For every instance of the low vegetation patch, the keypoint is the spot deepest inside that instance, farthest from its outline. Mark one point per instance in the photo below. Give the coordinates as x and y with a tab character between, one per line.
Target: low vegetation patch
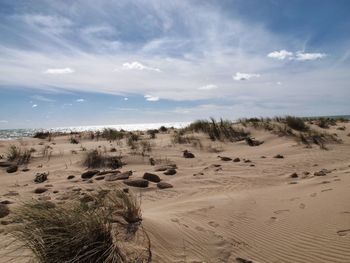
222	130
112	134
97	159
18	155
78	232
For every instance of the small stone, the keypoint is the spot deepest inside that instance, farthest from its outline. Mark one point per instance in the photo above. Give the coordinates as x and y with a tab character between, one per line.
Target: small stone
294	175
70	177
164	185
236	160
12	169
278	156
136	182
40	190
89	174
6	202
40	177
98	178
170	172
126	190
187	154
115	177
225	159
4	210
151	177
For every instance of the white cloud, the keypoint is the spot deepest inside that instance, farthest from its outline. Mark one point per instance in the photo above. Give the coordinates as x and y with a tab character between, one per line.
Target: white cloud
42	98
151	98
301	56
126	99
59	71
244	76
80	100
280	55
3	121
208	87
137	66
34	105
309	56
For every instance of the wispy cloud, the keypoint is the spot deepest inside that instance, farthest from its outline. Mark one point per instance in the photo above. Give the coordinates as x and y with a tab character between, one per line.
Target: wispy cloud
151	98
80	100
34	105
138	66
58	71
208	87
42	98
245	76
281	55
309	56
301	56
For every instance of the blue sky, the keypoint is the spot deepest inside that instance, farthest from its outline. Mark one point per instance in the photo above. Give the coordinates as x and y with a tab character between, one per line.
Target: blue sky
87	62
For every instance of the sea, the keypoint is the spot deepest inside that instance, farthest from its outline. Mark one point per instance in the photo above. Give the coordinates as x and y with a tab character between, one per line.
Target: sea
12	134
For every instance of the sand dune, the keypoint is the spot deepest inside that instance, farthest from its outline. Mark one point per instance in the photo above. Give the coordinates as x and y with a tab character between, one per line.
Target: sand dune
220	211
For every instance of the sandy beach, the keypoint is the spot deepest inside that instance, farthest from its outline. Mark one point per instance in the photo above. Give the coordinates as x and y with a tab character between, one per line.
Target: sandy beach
257	207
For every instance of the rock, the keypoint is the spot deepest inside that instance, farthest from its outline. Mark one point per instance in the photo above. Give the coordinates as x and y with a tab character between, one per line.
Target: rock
323	172
163	168
89	174
151	177
236	160
70	177
5	164
87	198
25	170
225	159
114	177
109	172
48	185
152	161
278	156
294	175
6	202
164	185
12	169
136	182
170	172
4	210
252	165
11	193
188	154
242	260
247	161
56	191
40	190
98	178
263	157
40	177
253	142
126	190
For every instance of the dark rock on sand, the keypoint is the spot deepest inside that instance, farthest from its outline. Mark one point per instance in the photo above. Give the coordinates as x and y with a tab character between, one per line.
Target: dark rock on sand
164	185
225	159
40	190
12	169
323	172
98	178
40	177
188	154
236	160
89	174
70	177
115	177
4	210
163	168
294	175
5	164
278	156
152	161
170	172
151	177
6	202
136	182
253	142
25	169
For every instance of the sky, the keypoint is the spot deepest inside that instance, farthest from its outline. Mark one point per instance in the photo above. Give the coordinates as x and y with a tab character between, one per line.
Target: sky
88	62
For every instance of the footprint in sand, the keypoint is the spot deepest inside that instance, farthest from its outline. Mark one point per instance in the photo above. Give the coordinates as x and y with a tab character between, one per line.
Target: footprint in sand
213	224
343	233
281	211
302	206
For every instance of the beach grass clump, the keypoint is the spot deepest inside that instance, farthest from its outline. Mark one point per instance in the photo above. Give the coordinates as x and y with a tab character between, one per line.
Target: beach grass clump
218	130
98	159
42	135
73	140
296	123
77	232
112	134
18	155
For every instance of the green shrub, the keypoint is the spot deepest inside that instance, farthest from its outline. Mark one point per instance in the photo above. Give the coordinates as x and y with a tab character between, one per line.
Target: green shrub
296	123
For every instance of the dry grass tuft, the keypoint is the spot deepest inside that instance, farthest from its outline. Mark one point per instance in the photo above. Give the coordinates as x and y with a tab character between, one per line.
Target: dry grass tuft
18	155
97	159
78	232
